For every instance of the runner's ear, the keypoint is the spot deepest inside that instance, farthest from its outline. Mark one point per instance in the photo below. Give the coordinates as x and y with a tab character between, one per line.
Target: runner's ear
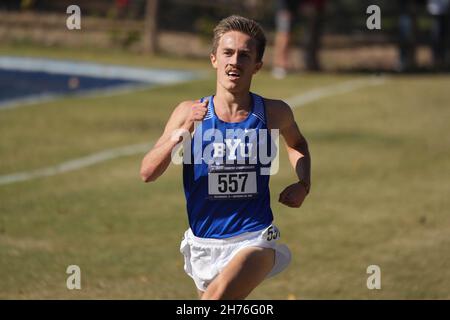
258	67
213	60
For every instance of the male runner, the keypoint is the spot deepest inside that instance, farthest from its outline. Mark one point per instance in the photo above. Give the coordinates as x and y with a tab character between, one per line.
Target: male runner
231	245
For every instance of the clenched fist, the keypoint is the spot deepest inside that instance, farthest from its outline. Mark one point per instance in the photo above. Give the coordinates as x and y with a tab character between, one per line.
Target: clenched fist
197	113
293	195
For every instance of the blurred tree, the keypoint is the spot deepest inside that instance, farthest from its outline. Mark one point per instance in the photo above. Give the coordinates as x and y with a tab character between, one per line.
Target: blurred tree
27	4
151	27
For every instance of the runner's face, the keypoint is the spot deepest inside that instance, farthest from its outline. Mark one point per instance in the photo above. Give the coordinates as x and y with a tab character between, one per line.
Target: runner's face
235	61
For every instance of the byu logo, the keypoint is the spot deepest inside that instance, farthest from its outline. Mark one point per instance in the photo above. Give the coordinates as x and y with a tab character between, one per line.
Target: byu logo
374	21
261	147
374	281
74	280
232	146
74	20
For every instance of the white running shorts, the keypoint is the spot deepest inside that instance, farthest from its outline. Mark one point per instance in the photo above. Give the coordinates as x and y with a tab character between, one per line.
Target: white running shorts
205	258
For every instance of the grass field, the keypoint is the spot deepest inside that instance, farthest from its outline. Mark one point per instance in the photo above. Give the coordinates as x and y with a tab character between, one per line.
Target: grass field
381	186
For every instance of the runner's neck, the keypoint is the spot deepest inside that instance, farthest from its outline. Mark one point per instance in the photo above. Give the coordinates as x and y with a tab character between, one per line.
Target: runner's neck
232	104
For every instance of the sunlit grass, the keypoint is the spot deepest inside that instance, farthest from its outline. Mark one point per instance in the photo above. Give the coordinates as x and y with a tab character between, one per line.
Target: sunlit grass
381	167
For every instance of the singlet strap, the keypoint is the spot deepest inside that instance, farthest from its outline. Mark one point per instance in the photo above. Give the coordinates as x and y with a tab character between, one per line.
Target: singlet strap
209	114
259	109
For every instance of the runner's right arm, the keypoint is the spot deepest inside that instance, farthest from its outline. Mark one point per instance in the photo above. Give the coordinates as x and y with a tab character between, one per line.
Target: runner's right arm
158	158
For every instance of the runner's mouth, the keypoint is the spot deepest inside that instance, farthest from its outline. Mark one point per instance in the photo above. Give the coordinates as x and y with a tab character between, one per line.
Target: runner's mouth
233	74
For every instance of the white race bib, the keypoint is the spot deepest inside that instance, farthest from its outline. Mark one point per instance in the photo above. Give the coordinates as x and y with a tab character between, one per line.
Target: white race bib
232	185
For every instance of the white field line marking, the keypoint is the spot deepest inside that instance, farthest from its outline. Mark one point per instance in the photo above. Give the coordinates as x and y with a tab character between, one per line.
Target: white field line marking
331	90
76	163
294	102
88	69
87	93
145	77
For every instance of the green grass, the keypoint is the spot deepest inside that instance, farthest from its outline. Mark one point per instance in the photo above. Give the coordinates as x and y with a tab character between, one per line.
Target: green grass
381	180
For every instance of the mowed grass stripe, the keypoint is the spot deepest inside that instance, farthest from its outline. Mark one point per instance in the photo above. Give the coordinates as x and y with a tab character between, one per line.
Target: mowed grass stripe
294	102
380	185
375	200
48	134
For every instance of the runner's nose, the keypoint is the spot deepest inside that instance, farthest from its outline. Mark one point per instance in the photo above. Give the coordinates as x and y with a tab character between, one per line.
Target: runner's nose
234	59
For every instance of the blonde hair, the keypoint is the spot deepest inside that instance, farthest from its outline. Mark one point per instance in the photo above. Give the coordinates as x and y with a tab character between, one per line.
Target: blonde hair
244	25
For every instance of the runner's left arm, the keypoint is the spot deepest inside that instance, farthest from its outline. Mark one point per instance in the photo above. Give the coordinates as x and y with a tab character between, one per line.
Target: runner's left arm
299	157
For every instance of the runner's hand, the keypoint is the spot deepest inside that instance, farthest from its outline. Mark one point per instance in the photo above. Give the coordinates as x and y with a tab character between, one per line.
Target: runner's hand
197	113
293	195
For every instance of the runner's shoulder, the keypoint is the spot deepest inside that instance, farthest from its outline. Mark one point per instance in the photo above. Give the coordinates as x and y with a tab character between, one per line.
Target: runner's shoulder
186	105
183	108
277	111
276	104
